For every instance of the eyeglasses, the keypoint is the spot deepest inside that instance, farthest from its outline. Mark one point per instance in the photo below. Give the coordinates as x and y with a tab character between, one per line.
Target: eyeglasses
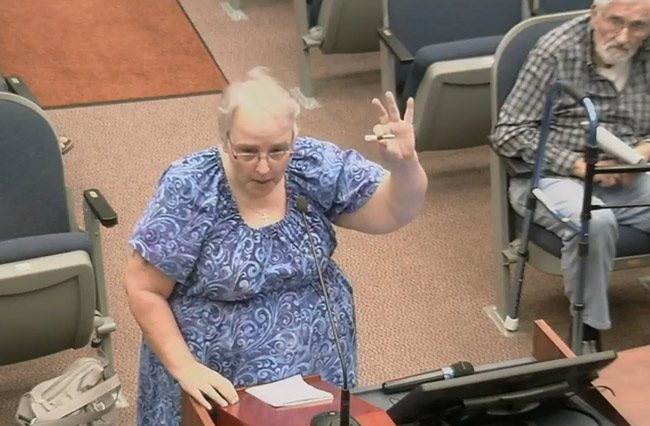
617	24
275	155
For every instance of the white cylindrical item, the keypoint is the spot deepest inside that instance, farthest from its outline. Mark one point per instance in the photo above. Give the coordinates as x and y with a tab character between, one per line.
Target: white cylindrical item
375	138
615	147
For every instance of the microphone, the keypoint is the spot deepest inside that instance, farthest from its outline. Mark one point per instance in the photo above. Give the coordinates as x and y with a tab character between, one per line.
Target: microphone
458	369
329	418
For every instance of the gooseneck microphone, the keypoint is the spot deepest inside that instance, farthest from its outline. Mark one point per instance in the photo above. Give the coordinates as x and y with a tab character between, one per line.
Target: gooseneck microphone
458	369
329	418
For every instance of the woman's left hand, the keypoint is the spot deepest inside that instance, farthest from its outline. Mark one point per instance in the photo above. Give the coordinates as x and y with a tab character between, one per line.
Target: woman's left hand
400	149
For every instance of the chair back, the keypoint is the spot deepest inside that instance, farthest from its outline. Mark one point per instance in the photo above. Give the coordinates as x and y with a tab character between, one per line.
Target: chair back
350	26
557	6
513	51
32	190
419	23
452	42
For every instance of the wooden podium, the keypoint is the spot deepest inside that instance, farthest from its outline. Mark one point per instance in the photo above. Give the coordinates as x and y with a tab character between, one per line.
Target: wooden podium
250	411
621	393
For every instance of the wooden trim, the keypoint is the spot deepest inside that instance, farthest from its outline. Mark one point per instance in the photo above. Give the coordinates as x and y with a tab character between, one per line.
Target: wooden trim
547	345
193	413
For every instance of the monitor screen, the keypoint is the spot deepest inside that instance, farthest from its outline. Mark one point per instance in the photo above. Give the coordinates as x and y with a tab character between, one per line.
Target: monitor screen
500	389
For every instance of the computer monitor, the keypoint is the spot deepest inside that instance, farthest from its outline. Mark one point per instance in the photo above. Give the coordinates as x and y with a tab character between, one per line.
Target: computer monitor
500	392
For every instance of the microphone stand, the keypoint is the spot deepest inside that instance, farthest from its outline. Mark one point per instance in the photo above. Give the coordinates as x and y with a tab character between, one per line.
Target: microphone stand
329	418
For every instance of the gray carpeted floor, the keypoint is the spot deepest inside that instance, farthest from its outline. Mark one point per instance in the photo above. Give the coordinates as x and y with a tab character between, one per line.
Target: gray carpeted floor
420	291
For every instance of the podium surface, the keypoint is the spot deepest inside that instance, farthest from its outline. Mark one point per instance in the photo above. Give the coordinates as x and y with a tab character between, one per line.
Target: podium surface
625	384
250	411
627	377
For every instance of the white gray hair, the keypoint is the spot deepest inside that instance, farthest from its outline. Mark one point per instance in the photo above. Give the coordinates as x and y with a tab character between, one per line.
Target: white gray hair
261	93
602	3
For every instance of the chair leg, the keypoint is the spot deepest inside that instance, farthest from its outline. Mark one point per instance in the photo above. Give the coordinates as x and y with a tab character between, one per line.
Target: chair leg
504	255
233	10
305	93
104	325
387	62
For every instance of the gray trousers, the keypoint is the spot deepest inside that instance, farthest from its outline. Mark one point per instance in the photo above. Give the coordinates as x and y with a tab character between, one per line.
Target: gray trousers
562	217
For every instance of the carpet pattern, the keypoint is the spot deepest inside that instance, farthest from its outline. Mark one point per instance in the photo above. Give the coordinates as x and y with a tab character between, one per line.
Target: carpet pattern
79	52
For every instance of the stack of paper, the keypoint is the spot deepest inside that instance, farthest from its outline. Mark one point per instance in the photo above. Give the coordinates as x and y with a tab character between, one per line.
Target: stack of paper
291	391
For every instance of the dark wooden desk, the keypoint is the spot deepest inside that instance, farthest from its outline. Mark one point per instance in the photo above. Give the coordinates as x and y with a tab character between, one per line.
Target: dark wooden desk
629	380
628	377
250	411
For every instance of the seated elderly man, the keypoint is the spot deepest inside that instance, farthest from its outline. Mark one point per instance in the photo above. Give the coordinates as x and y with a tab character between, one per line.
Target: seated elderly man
606	53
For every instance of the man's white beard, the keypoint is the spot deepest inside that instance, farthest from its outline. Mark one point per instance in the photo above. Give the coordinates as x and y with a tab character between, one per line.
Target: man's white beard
611	55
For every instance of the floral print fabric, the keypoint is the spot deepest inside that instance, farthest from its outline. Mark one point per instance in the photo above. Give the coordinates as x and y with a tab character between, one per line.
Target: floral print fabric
248	301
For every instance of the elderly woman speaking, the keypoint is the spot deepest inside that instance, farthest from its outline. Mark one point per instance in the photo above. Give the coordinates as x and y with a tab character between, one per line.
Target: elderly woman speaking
222	280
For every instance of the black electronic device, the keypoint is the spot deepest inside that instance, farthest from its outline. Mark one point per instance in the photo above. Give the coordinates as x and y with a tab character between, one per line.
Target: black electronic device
501	392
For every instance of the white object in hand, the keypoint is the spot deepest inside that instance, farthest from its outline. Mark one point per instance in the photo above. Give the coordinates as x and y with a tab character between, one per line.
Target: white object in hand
375	138
615	147
379	131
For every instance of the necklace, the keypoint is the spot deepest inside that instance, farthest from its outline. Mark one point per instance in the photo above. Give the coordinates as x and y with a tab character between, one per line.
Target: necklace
265	217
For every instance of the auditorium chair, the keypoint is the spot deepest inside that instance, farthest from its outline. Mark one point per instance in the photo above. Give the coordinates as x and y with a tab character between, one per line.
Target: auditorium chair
441	52
52	289
15	84
633	246
334	27
233	10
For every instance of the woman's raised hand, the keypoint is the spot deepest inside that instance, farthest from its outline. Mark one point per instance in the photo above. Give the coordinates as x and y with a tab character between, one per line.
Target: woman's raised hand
399	147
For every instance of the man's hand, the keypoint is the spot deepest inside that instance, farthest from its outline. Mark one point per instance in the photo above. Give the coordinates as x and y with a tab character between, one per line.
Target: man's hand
200	382
644	149
605	180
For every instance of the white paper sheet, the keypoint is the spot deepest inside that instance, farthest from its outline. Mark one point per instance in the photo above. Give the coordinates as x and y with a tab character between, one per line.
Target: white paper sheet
290	391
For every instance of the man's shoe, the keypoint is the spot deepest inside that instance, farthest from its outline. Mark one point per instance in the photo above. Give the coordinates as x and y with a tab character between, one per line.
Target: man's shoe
591	340
65	144
589	347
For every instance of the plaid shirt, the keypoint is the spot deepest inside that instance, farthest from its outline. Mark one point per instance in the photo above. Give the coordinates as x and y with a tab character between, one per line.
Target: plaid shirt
565	53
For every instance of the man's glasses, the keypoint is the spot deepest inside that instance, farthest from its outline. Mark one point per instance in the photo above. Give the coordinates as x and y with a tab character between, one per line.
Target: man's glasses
275	155
617	24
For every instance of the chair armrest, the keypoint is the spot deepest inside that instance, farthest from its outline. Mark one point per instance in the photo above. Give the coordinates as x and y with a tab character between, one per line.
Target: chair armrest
516	167
395	46
17	85
100	207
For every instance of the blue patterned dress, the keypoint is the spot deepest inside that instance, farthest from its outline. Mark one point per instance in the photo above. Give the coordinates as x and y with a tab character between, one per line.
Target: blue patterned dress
248	301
